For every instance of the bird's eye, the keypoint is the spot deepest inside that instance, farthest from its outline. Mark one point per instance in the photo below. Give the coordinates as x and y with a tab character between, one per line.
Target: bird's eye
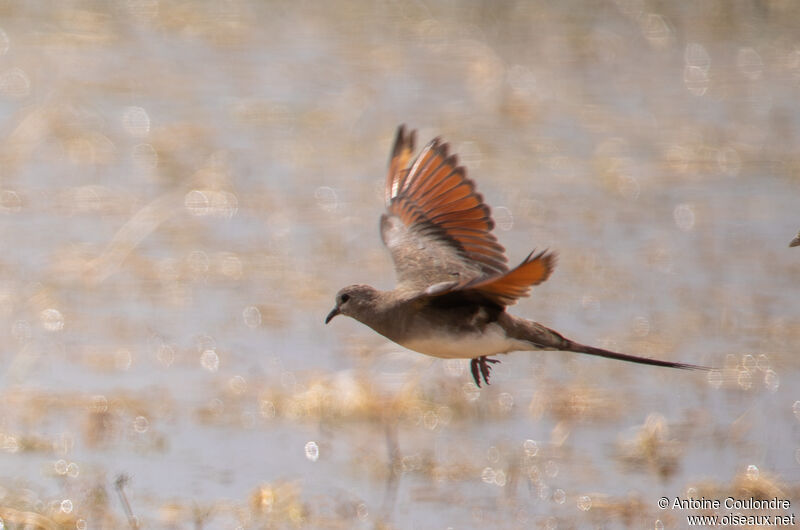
344	298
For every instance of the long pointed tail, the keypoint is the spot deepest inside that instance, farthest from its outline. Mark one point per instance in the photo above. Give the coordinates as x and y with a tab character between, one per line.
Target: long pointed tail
591	350
544	338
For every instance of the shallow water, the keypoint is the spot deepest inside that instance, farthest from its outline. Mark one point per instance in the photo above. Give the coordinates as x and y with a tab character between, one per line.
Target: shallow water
184	187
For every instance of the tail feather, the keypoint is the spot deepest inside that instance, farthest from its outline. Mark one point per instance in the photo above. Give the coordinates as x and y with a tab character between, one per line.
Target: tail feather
600	352
544	338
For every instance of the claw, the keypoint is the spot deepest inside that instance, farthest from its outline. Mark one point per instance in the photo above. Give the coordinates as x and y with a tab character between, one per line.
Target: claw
473	365
485	369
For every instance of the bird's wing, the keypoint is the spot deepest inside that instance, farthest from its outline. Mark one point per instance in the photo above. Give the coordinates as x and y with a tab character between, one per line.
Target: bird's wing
437	227
505	289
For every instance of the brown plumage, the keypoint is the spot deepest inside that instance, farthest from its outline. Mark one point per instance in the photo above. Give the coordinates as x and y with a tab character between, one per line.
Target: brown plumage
453	284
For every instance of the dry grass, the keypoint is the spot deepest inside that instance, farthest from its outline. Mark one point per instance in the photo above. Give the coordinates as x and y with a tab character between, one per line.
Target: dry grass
183	187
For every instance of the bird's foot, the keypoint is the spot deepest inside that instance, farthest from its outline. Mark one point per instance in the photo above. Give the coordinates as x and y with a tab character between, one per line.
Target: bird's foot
480	363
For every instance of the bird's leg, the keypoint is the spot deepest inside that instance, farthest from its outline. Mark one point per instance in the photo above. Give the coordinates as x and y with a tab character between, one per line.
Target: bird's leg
485	369
473	365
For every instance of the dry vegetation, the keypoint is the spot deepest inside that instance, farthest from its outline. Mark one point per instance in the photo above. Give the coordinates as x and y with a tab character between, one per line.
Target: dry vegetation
184	185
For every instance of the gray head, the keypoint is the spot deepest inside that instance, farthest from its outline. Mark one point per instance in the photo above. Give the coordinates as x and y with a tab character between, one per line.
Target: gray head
354	301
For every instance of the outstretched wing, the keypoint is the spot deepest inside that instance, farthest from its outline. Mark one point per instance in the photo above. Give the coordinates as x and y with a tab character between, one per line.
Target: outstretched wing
437	227
505	289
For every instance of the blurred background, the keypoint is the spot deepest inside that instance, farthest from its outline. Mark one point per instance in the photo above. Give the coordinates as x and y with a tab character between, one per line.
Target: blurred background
185	185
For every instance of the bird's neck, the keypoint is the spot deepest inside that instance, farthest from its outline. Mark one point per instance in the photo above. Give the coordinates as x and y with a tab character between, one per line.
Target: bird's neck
383	315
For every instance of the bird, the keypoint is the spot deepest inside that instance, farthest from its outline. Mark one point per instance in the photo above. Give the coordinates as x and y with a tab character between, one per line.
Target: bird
453	282
796	241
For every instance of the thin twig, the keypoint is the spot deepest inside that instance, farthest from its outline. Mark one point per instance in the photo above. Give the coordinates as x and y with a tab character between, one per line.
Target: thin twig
119	484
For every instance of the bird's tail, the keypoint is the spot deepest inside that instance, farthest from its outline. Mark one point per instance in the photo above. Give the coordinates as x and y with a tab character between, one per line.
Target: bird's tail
544	338
591	350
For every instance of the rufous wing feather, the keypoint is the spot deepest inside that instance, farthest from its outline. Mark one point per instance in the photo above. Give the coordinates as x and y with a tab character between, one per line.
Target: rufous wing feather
399	160
434	198
507	288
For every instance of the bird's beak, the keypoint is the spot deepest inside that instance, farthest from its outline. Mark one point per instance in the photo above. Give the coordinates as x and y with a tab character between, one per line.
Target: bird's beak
335	311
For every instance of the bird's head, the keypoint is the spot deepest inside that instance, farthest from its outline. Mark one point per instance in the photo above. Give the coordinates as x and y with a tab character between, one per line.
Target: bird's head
355	301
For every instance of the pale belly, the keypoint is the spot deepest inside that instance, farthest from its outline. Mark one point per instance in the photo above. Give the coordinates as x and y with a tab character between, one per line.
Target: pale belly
461	346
